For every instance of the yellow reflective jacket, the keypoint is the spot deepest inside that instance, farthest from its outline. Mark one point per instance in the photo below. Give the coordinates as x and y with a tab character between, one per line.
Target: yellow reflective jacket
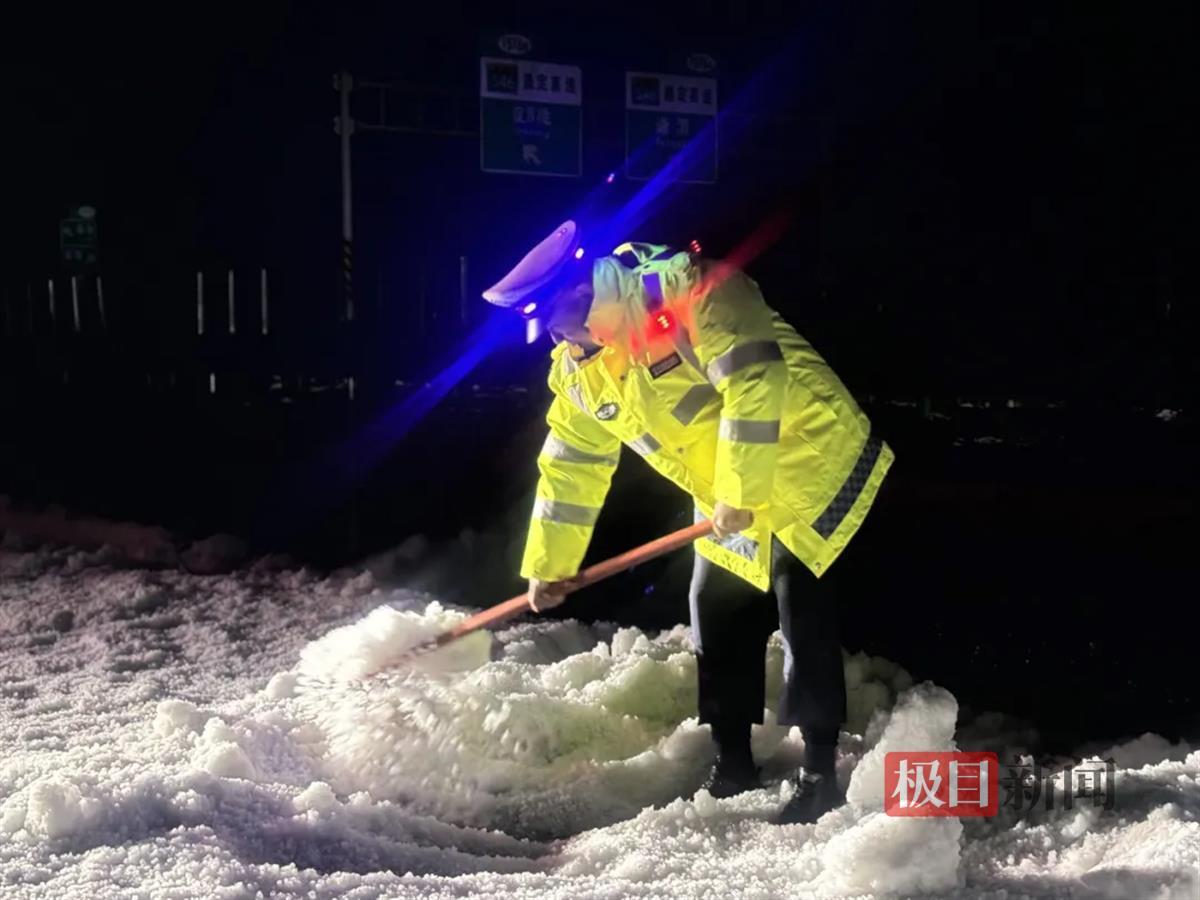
717	393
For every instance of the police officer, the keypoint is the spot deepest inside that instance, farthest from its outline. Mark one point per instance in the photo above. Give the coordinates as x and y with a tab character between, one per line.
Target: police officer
679	358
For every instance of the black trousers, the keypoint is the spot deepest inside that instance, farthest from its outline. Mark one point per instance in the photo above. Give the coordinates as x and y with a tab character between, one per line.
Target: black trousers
731	623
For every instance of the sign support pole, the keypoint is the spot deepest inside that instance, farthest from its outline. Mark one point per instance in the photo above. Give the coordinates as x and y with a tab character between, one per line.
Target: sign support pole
345	128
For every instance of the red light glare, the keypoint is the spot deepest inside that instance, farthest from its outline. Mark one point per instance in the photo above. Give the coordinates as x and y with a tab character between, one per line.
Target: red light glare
662	323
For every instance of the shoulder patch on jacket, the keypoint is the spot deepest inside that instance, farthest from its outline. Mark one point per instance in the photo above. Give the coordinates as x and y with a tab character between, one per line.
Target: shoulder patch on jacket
664	365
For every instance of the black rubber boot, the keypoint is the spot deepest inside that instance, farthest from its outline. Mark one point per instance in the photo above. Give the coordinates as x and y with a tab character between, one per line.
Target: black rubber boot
820	751
818	791
731	778
815	796
734	771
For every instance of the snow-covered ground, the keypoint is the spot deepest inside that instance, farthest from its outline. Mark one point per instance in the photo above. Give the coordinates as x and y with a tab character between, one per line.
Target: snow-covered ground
171	735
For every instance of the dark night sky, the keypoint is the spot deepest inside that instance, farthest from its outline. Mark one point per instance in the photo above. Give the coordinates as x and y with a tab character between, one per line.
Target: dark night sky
987	201
1009	178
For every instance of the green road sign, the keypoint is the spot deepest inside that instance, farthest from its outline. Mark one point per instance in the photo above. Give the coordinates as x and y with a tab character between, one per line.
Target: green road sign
529	117
77	237
664	114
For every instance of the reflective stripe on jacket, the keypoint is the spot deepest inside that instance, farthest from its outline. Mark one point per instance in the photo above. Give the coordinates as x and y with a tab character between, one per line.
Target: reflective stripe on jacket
718	394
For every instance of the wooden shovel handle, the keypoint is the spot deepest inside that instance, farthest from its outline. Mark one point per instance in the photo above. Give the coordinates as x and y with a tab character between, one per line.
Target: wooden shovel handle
601	570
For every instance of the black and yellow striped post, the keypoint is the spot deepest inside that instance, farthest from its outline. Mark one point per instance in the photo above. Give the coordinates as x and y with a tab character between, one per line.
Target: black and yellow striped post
348	278
344	126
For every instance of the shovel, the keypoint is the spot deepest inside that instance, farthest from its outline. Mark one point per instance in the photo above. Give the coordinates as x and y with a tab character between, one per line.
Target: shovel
601	570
